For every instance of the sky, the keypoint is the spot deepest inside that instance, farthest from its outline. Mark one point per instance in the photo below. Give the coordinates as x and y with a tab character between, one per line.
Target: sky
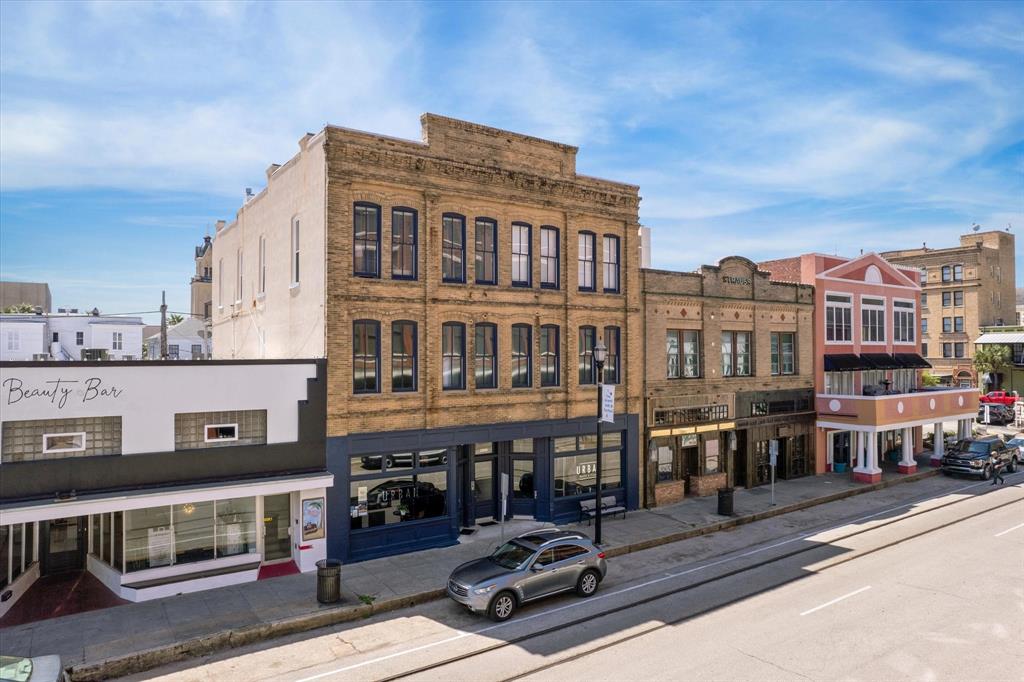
759	129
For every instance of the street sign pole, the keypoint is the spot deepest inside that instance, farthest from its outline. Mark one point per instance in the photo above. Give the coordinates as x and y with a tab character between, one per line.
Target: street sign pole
773	453
504	504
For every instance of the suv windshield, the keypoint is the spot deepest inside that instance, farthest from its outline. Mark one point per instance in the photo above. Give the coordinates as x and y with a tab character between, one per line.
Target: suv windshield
511	555
978	447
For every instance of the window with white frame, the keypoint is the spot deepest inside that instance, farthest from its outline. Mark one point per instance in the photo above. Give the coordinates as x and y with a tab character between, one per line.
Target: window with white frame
872	377
924	276
13	340
838	318
839	383
585	280
736	354
872	317
522	249
904	380
610	263
683	352
117	341
63	442
783	347
295	251
903	325
263	265
219	433
238	276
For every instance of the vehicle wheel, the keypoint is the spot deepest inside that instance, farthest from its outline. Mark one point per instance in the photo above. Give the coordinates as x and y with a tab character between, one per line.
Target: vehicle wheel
502	607
587	584
986	473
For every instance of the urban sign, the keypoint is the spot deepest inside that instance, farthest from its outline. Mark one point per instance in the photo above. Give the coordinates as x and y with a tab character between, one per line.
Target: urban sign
58	391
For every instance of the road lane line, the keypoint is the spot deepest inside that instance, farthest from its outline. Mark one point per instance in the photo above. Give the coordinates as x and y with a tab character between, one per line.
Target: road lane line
461	634
837	600
1008	530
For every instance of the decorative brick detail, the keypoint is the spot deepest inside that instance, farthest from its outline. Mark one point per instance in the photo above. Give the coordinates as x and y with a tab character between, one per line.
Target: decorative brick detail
703	486
669	492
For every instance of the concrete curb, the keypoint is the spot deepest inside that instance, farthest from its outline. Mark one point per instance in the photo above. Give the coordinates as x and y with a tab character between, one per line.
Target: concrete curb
147	659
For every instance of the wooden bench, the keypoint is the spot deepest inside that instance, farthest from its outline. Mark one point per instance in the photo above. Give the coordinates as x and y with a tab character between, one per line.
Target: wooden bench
609	507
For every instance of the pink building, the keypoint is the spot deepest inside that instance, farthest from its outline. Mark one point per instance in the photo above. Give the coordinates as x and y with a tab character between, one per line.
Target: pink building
867	346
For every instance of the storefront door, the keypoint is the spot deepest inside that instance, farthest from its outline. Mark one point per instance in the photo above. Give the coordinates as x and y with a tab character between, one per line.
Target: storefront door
488	471
277	539
62	544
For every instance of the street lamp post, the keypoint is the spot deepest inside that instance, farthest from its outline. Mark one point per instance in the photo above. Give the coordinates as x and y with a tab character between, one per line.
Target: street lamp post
600	354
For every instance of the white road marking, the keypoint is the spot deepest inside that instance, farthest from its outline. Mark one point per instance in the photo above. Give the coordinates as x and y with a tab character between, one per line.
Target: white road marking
605	595
836	600
1008	530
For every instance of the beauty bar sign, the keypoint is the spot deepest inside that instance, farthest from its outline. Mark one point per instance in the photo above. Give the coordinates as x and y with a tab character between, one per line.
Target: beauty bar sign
59	392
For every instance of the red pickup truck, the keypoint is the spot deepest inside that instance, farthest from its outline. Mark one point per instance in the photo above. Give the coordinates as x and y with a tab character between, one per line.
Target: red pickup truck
1001	397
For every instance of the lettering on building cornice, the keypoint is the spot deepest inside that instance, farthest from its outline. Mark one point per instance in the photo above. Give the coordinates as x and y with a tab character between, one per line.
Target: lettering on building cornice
729	279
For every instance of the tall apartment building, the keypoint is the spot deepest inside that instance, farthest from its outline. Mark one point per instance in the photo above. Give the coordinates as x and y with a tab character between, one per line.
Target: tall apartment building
729	369
201	284
457	287
963	288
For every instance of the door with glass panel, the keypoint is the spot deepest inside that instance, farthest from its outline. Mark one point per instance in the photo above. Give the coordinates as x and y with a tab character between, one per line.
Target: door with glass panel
277	539
485	482
63	544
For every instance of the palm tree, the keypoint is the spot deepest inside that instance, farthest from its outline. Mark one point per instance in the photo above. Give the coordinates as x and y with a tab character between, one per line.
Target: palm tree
991	360
175	319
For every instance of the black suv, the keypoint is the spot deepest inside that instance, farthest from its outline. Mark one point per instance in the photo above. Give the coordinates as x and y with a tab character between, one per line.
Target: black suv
973	456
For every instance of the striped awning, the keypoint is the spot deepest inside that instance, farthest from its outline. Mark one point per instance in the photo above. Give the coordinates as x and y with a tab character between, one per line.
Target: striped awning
1001	337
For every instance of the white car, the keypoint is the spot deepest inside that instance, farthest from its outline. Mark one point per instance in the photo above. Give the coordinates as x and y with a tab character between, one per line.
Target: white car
36	669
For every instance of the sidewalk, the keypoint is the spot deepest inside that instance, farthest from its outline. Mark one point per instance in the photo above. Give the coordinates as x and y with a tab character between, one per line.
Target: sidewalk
139	636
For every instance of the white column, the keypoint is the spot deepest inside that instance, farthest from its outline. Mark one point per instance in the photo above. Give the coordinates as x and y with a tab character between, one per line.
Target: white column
939	441
908	448
873	452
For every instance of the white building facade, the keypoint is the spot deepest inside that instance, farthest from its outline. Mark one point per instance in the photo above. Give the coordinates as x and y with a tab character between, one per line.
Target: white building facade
160	477
64	336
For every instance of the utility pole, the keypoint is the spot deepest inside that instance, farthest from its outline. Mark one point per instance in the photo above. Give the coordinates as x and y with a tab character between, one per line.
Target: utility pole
163	325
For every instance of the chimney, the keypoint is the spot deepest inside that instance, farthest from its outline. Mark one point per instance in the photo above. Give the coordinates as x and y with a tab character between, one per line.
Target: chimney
271	169
304	141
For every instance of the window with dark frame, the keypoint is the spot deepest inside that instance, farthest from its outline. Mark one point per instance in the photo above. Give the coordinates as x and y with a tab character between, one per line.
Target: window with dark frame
587	244
486	253
611	363
947	350
947	273
366	240
522	374
958	273
947	299
522	252
947	324
403	356
549	257
959	350
80	338
610	262
403	243
485	355
453	356
588	338
958	323
958	299
453	248
673	355
549	370
365	356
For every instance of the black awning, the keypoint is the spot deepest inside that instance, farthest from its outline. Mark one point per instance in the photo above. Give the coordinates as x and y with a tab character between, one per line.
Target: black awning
912	361
844	362
880	361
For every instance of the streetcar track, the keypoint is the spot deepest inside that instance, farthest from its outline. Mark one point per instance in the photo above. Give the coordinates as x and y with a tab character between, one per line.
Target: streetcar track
724	576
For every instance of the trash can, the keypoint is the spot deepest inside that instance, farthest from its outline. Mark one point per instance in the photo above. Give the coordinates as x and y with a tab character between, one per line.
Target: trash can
725	501
328	581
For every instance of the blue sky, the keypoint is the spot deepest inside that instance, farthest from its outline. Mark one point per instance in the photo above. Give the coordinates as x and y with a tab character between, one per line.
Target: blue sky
127	129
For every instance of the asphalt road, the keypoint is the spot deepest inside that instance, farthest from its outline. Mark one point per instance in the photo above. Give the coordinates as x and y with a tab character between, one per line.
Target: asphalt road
927	590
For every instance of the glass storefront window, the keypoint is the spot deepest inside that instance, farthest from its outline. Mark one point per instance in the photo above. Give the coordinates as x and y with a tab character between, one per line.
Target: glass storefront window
367	464
523	445
236	526
577	474
387	501
483	449
711	456
5	550
193	532
118	518
105	537
565	444
522	479
671	463
149	542
17	549
97	536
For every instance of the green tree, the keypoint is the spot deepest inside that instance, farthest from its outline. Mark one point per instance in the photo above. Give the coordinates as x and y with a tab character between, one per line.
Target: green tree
991	359
929	379
175	319
20	308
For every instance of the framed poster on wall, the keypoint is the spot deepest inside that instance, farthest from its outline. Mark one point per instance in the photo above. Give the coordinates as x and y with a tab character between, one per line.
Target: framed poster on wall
313	519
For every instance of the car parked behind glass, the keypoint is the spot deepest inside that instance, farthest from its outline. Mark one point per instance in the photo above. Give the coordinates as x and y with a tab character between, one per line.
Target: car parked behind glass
531	566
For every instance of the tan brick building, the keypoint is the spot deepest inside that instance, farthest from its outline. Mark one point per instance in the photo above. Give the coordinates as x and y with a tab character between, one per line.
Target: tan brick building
457	287
963	288
729	369
201	284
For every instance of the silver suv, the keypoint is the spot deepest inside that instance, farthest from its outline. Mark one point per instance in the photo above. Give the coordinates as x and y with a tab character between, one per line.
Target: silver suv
531	566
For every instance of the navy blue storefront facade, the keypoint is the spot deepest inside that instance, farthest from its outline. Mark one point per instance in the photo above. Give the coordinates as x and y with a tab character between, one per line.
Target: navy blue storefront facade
402	491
